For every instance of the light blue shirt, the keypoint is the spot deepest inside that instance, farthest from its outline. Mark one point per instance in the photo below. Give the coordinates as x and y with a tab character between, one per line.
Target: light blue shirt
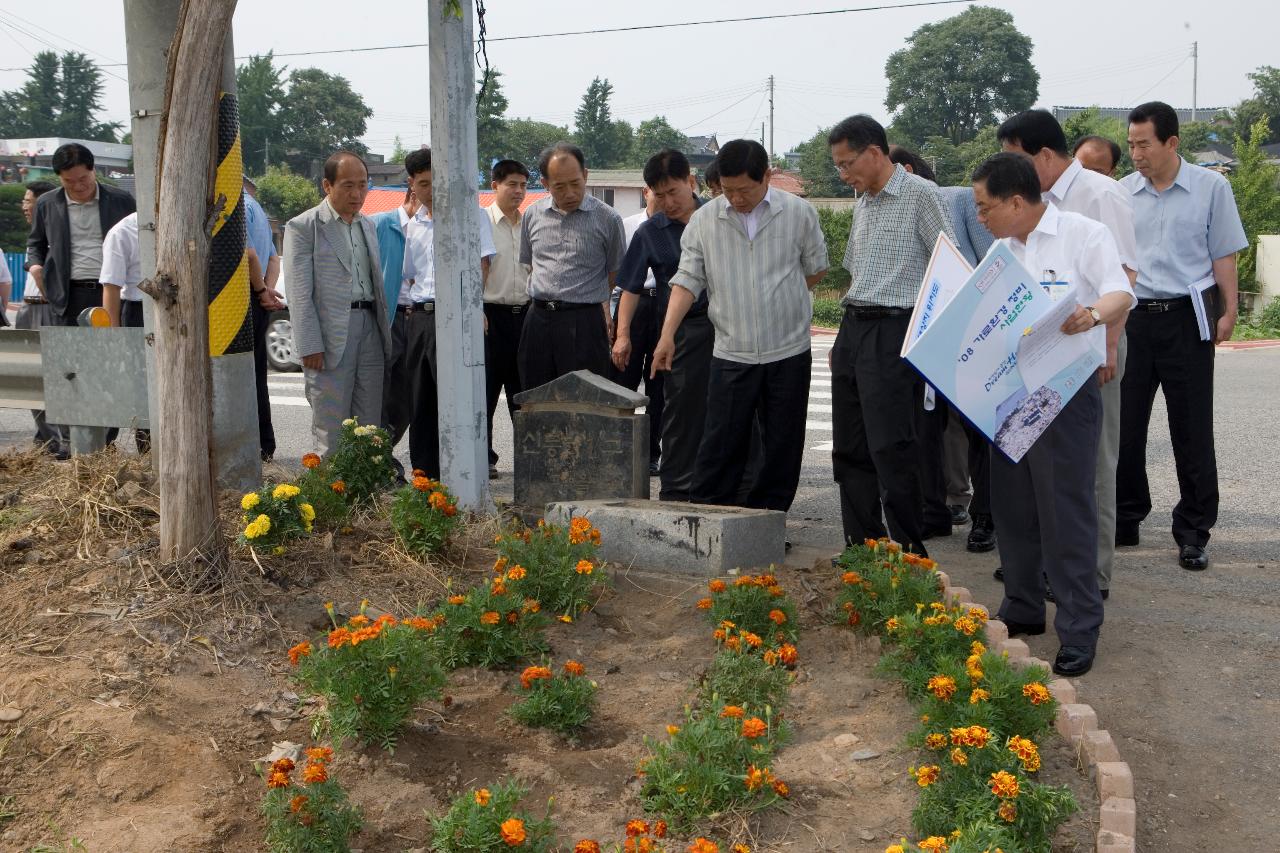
397	264
259	231
1182	230
972	237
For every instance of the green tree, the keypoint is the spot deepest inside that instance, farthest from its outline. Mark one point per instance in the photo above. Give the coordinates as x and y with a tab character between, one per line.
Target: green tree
40	98
320	114
602	139
960	74
1090	123
1256	185
652	136
491	122
1265	103
836	225
260	91
284	195
818	171
527	138
81	86
398	152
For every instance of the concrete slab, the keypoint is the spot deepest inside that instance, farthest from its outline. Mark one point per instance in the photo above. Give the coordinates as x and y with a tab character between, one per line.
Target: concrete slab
681	537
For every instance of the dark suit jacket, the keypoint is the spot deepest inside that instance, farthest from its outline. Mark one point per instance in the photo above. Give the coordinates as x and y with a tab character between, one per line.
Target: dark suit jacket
49	244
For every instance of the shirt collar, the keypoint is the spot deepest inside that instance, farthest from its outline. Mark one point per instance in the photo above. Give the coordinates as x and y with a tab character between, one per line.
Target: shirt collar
893	186
588	203
496	215
1048	223
404	217
1062	186
1182	179
767	201
97	189
421	215
661	220
332	214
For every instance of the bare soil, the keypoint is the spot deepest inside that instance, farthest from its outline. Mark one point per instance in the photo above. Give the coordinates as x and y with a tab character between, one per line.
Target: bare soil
143	704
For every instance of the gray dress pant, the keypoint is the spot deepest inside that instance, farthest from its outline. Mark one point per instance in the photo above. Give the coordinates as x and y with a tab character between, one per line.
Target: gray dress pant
352	388
1108	457
1047	515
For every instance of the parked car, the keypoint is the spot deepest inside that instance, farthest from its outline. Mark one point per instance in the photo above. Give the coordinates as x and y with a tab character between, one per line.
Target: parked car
280	332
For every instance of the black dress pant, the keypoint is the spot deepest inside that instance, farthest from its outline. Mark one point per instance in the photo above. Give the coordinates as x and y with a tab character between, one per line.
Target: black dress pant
556	342
1165	351
777	393
501	359
931	425
646	328
684	391
424	422
398	384
979	469
876	454
261	323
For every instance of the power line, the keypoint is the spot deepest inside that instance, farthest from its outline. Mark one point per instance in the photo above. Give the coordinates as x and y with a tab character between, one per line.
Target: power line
60	36
718	112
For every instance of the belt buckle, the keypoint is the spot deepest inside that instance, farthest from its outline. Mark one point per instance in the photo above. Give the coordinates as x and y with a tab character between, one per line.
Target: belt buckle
552	305
1162	306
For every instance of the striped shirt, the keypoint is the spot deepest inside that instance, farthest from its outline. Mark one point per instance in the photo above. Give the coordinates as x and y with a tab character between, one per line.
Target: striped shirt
892	239
758	301
571	255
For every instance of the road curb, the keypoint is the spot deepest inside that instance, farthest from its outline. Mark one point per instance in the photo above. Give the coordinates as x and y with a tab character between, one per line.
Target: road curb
1078	723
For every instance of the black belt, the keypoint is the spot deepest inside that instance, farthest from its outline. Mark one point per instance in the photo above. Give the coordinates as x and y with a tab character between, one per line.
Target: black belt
648	291
404	309
363	305
85	282
504	308
558	305
875	312
428	307
1160	306
35	300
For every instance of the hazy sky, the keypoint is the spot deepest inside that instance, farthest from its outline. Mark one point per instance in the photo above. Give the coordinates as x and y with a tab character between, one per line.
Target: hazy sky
702	78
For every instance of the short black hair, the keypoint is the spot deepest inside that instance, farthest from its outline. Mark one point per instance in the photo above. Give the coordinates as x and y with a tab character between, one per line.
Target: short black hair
71	155
39	188
919	165
711	174
743	157
667	163
1111	145
335	160
859	133
557	150
1162	116
416	162
1033	131
504	169
1008	174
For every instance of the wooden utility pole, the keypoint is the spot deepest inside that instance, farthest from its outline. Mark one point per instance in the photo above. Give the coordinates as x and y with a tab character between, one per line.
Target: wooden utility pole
180	287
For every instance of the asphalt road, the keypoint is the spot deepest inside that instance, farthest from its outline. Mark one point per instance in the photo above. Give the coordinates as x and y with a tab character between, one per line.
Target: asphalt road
1186	674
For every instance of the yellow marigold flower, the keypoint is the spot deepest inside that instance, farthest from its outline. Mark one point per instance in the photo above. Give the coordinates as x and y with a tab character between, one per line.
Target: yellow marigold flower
672	731
942	686
513	832
753	728
978	695
935	741
934	844
566	618
770	657
927	775
740	847
892	624
976	648
958	757
1008	811
279	549
895	848
482	797
1036	692
490	617
308	512
516	573
704	604
967	625
285	491
584	567
1004	784
299	651
249	501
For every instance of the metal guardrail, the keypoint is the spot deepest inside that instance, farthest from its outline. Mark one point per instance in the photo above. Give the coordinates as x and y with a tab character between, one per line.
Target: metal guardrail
21	373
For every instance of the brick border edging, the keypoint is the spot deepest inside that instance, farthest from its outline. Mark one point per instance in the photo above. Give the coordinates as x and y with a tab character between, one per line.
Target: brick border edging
1078	723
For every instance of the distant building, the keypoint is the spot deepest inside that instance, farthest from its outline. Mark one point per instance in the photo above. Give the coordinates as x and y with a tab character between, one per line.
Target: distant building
1122	113
30	158
621	189
382	199
701	150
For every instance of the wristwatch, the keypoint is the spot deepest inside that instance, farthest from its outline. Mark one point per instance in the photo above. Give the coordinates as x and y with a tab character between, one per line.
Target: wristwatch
1093	312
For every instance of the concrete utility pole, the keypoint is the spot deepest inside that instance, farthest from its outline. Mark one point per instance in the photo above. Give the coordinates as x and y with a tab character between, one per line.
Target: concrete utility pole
1195	75
464	462
182	418
770	118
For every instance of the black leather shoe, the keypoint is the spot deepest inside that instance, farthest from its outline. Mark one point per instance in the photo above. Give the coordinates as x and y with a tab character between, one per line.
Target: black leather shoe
653	467
982	536
1126	537
959	515
1029	629
998	574
1106	593
1073	661
1194	558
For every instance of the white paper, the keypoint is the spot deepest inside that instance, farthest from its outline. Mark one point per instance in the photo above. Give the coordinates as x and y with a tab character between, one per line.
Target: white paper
946	274
1045	348
1197	302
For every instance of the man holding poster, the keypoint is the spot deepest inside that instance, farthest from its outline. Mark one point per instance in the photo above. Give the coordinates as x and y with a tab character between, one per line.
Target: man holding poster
1044	503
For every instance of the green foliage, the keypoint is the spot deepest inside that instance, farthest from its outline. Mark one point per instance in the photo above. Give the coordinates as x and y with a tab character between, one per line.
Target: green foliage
489	626
653	135
1256	186
928	639
561	702
527	138
371	673
880	582
491	126
836	225
606	143
553	565
1090	123
13	225
320	114
1265	326
484	821
1013	700
259	93
960	74
827	312
317	489
284	195
744	679
273	516
755	604
1264	105
423	515
818	171
954	164
362	462
308	817
61	97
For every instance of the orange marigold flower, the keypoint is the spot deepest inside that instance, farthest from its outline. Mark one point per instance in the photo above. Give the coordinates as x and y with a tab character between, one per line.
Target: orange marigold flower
457	599
745	580
704	845
893	548
718	634
704	604
934	844
770	657
672	731
717	585
500	564
310	460
733	643
959	757
513	832
739	848
298	803
482	797
777	617
927	775
299	651
660	829
776	591
516	573
422	623
586	845
278	780
358	621
339	637
1008	811
572	667
1036	692
282	765
531	605
315	773
935	741
753	728
1004	784
732	711
788	655
752	640
422	484
320	754
978	695
532	674
636	827
512	617
385	620
584	567
781	788
438	500
338	487
499	588
942	686
490	617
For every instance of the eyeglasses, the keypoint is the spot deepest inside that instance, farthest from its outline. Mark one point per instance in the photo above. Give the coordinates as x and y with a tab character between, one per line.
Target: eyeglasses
843	168
984	210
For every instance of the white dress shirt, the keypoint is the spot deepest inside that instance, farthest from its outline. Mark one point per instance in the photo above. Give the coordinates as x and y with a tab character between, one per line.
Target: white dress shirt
406	267
751	221
121	259
1101	199
419	234
630	226
1076	251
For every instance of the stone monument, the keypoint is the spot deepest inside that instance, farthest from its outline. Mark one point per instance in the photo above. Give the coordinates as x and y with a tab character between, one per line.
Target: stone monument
579	438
